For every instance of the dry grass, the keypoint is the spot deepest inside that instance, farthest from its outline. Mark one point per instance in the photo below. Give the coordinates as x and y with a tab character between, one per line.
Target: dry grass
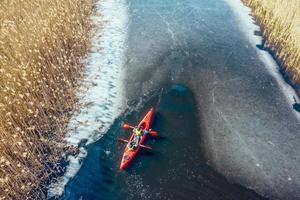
41	43
281	22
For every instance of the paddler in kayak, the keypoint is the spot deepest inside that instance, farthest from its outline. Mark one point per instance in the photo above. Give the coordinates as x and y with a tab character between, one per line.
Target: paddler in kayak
138	133
132	145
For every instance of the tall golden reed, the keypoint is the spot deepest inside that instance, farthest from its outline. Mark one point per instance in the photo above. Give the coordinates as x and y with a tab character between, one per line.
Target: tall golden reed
41	44
280	20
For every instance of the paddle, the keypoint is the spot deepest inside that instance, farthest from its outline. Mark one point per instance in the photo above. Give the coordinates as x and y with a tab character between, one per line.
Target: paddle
153	133
127	126
145	147
141	145
122	140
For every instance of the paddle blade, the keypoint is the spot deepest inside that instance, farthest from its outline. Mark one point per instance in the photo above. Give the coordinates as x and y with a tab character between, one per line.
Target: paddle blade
153	133
126	126
145	147
122	140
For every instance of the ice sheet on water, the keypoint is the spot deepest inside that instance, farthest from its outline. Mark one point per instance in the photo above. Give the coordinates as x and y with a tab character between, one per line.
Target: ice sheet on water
248	27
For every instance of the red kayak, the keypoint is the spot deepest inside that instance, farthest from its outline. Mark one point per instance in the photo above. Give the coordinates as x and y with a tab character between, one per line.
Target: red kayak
131	151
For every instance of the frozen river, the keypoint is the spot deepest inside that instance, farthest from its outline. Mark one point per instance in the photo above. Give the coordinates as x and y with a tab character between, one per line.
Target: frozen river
224	113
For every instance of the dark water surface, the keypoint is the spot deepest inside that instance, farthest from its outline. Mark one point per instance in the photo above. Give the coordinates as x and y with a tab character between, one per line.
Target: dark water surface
175	169
217	106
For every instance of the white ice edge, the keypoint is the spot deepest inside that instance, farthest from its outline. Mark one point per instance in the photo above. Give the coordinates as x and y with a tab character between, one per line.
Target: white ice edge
248	26
101	90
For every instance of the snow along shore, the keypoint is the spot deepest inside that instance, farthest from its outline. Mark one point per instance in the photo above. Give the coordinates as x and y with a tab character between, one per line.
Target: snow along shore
101	89
248	27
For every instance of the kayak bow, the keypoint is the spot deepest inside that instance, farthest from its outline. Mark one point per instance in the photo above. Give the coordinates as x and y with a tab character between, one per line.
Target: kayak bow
130	153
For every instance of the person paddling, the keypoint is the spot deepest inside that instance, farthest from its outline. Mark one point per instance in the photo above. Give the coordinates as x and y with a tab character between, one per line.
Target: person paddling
137	131
137	134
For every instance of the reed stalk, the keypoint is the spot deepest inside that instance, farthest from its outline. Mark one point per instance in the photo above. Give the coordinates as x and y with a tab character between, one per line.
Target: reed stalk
41	45
280	20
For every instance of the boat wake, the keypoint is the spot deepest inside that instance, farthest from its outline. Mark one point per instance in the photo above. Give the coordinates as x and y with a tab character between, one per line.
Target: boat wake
101	92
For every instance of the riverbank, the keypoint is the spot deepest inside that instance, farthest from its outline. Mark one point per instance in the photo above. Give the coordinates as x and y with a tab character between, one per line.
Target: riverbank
41	47
101	87
280	22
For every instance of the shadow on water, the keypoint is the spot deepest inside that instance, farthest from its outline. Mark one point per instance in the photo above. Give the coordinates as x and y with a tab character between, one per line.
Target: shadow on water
176	169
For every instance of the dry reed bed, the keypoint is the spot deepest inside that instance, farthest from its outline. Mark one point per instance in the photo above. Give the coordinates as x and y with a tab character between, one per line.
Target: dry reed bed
280	20
41	43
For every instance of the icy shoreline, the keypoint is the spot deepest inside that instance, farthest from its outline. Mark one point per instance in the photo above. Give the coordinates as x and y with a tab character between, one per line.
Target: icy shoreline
101	89
248	27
